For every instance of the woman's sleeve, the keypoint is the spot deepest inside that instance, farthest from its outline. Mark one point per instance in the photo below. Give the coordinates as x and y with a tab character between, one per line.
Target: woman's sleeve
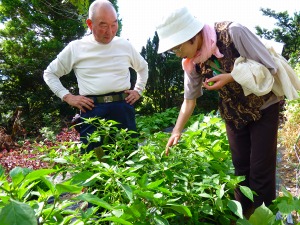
249	46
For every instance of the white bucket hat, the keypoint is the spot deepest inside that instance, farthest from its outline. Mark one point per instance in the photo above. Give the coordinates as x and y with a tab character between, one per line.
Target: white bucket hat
177	28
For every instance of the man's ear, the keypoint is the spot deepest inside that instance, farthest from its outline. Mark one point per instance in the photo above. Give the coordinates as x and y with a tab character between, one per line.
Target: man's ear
89	23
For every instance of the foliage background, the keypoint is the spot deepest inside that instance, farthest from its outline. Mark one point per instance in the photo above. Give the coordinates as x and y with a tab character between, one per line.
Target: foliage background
36	31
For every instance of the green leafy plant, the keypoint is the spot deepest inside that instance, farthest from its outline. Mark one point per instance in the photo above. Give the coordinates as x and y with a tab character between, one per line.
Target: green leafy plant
136	184
147	125
24	202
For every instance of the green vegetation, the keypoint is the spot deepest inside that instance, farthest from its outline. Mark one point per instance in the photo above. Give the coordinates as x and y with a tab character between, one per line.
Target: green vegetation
286	32
289	134
193	185
30	40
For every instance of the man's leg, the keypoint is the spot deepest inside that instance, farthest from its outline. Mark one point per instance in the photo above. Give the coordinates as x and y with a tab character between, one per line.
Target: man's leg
123	113
100	111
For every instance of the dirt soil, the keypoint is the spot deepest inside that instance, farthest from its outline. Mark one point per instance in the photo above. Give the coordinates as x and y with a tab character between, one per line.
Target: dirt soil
288	172
288	169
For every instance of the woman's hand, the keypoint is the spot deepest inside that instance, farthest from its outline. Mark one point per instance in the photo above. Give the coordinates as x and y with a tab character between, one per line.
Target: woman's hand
217	82
173	140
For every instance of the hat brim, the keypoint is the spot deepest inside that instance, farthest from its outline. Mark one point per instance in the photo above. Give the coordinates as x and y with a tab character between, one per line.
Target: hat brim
179	37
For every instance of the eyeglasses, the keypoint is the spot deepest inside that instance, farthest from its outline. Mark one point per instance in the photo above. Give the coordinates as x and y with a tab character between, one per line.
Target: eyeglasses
176	49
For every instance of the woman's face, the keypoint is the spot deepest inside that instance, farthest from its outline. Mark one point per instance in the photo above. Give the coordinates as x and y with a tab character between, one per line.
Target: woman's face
189	48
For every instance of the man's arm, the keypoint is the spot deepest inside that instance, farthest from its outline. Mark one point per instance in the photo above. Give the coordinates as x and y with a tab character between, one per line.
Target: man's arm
62	65
142	77
139	64
59	67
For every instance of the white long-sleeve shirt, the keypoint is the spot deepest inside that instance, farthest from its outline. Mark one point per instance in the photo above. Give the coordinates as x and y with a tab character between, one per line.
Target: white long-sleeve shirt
99	68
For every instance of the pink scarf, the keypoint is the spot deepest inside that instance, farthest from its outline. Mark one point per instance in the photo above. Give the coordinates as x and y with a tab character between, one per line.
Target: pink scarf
208	49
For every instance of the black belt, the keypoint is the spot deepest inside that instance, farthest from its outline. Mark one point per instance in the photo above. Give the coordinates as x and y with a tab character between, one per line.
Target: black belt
111	97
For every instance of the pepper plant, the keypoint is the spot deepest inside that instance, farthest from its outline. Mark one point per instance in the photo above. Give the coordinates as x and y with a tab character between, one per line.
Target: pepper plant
136	183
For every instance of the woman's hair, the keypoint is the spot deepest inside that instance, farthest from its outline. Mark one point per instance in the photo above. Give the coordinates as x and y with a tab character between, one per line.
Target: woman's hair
193	38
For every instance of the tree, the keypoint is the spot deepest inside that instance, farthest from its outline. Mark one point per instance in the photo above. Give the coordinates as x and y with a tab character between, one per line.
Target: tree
81	5
83	8
35	31
165	83
287	32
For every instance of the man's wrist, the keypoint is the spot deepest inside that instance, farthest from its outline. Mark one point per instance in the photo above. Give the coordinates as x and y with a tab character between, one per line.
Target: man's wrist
139	90
64	98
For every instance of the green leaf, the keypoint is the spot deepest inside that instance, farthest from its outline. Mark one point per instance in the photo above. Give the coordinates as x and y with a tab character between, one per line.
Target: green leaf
194	126
143	182
134	211
18	174
62	188
136	167
164	190
219	204
205	195
130	162
92	179
35	174
181	209
285	207
297	204
207	209
223	219
235	207
49	184
158	195
2	171
95	200
172	201
286	193
17	213
143	158
60	160
247	192
81	178
128	191
116	220
155	184
5	199
139	209
262	215
243	222
160	220
145	194
220	192
25	189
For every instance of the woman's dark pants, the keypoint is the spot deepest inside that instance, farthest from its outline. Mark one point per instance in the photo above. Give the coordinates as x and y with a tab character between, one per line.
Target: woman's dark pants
254	150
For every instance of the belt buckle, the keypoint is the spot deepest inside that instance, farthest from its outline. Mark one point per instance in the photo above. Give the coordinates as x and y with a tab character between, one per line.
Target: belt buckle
108	98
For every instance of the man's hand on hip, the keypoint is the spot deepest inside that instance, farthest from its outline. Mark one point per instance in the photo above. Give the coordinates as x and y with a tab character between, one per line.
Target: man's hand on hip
81	102
132	97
